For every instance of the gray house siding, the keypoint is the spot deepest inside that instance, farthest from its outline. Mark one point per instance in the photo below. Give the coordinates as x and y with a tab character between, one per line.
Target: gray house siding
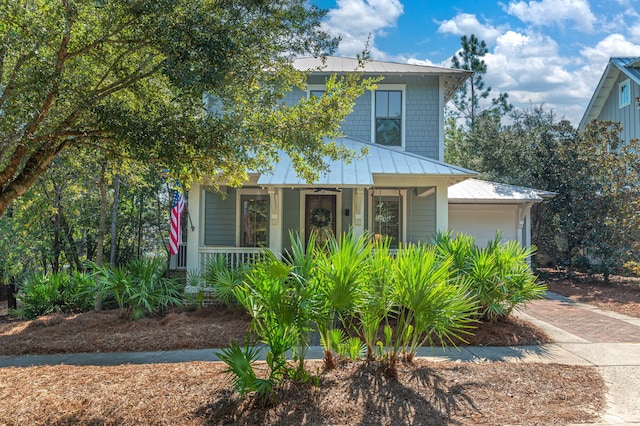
627	116
422	113
422	116
220	219
421	217
290	215
347	199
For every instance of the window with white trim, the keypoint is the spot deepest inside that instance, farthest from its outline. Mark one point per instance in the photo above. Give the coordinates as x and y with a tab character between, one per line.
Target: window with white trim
387	219
388	116
254	220
624	90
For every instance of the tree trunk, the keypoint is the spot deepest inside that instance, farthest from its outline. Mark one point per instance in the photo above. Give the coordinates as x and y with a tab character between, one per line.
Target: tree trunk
57	243
102	223
72	248
139	249
102	226
114	219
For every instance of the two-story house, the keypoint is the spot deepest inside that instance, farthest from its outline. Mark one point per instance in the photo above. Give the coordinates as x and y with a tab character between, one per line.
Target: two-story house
402	189
614	97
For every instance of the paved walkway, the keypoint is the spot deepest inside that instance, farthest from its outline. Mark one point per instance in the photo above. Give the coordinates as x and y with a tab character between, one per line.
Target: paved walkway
583	335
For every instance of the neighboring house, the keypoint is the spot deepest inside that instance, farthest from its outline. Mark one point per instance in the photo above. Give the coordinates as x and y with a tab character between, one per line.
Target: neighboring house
402	189
614	98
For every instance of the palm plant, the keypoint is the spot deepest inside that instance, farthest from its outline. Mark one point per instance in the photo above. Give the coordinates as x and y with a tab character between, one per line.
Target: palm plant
376	303
139	287
344	273
426	303
222	278
63	291
283	310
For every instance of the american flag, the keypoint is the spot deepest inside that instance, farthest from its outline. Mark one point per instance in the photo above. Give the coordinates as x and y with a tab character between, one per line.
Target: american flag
175	231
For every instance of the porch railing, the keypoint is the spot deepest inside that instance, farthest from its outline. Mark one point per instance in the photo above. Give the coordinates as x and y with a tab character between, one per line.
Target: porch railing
178	262
235	256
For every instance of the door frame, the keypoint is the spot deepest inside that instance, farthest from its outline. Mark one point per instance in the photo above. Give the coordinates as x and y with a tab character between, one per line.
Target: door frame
303	209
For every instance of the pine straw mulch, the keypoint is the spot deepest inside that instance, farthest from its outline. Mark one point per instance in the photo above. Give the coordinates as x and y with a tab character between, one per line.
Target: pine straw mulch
208	327
198	393
621	294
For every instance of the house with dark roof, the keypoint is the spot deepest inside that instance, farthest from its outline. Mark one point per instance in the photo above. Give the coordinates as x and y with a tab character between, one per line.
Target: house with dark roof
615	97
401	189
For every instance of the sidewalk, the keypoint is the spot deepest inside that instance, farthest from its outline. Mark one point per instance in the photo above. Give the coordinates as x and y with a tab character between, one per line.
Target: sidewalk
583	335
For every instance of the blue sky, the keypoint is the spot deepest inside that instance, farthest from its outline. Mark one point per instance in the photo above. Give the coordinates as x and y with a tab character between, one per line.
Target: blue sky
549	52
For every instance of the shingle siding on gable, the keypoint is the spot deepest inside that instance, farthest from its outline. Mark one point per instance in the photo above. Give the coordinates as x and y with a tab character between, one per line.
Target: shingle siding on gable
629	116
220	219
422	115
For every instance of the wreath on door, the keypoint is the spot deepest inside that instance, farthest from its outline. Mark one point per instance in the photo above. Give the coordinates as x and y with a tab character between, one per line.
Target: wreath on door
320	217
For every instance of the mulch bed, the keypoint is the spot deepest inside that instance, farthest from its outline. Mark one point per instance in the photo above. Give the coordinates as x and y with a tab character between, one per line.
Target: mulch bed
621	294
208	327
199	394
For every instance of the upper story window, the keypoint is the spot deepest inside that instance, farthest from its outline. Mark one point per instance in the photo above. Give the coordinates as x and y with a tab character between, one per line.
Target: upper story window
388	115
316	90
624	89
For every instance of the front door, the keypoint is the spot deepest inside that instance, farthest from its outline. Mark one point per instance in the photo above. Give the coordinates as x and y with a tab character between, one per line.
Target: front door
320	216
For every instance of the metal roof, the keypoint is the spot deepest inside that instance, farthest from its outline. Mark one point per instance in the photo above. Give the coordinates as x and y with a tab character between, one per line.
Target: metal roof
630	66
482	191
379	160
453	78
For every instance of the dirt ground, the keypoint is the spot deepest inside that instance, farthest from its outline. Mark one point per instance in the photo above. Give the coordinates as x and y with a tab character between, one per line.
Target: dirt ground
200	393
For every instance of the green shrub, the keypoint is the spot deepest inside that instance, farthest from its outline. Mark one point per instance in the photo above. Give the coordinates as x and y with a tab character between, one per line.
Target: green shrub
498	275
140	287
42	294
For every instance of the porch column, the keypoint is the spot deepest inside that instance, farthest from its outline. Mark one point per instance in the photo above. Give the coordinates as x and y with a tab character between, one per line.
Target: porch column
442	205
275	220
194	236
524	224
357	208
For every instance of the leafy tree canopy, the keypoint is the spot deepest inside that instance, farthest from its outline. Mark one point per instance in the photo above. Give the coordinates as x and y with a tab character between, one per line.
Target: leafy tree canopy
128	77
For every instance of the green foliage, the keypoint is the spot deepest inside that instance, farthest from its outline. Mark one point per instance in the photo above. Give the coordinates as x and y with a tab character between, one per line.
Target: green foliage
427	304
498	275
283	309
592	221
140	287
352	287
240	362
128	78
42	294
222	278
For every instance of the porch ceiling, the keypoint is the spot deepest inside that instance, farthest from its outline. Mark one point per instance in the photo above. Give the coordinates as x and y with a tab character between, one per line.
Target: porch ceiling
379	160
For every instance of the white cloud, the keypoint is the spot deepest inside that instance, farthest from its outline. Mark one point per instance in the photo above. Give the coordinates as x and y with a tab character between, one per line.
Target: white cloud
467	23
356	21
634	32
612	45
546	12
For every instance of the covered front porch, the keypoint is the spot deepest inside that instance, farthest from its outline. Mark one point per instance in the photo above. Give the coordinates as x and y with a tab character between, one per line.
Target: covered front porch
388	193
